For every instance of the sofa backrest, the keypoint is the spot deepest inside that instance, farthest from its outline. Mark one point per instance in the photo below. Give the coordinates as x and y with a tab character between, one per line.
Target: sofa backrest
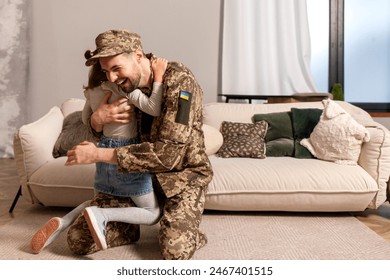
215	113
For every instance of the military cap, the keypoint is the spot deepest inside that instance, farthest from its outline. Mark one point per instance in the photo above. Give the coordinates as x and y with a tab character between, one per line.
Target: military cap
113	42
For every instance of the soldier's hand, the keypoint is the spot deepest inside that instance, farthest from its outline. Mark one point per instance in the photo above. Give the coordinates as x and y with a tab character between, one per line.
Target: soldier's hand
116	112
83	153
86	153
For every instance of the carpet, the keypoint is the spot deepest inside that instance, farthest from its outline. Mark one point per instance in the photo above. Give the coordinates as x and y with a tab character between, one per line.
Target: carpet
231	236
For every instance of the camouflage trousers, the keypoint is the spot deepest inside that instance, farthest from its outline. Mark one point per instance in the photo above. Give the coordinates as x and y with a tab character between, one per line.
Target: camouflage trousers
179	234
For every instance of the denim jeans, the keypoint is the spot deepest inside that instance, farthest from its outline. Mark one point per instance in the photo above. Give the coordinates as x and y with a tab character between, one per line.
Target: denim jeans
108	180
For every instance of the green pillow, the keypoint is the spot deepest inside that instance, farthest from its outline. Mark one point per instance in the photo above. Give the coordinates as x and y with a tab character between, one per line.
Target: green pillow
281	147
279	125
303	122
279	138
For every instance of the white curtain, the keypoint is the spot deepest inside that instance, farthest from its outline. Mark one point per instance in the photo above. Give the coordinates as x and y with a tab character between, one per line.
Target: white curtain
266	48
13	70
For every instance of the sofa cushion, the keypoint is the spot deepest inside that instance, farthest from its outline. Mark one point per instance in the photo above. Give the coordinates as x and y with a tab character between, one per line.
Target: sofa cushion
243	139
303	122
279	138
288	184
73	132
337	137
213	139
74	183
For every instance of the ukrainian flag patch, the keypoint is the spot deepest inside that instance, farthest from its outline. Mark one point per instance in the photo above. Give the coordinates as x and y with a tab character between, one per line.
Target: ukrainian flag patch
183	108
184	95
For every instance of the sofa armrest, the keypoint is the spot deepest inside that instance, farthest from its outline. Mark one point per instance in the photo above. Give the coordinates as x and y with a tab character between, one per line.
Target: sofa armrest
34	142
375	159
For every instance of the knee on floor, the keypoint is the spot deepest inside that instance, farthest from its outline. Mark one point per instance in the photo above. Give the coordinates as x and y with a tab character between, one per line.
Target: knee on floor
177	246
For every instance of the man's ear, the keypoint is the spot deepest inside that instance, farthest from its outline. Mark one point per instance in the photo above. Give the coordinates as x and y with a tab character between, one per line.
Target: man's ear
138	55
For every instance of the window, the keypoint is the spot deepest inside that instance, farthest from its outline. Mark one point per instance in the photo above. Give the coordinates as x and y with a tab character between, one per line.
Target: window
357	53
367	51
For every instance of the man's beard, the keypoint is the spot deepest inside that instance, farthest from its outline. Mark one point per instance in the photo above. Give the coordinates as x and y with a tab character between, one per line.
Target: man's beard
131	85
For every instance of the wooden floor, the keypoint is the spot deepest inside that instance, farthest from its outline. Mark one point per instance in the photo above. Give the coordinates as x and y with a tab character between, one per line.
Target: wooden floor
378	220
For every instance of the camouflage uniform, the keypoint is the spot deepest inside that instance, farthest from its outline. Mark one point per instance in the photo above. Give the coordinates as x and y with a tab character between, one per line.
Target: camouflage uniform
80	240
173	151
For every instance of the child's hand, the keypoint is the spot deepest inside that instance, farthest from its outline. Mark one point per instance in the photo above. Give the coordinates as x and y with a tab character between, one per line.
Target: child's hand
159	65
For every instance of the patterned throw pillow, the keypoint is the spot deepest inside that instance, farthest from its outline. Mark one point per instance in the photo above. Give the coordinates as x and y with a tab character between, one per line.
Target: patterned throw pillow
243	139
74	131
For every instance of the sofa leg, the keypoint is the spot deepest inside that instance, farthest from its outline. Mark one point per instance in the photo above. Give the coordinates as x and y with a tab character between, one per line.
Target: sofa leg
18	194
388	191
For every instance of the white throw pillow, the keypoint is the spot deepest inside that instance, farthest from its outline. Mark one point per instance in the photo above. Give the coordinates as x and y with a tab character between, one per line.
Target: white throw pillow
213	139
337	137
71	105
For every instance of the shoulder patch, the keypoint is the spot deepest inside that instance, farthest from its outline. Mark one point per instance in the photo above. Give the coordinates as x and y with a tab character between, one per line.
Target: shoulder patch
184	95
184	107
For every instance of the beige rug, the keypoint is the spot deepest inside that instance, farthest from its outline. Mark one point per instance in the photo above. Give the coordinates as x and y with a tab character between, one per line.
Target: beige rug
232	236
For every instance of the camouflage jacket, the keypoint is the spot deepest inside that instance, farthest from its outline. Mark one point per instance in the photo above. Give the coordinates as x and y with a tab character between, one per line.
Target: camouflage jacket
175	149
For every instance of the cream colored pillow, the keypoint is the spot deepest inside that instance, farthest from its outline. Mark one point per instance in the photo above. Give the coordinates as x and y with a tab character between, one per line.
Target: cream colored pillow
213	139
71	105
337	137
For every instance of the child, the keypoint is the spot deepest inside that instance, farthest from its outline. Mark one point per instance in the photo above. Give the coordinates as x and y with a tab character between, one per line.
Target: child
138	186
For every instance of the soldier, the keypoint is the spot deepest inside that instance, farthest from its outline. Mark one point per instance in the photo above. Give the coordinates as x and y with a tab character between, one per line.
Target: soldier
172	148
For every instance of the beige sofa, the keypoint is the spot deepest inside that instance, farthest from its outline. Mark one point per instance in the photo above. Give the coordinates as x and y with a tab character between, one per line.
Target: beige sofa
280	183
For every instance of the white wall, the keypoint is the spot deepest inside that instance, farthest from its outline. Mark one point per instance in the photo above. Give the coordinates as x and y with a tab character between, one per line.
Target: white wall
182	30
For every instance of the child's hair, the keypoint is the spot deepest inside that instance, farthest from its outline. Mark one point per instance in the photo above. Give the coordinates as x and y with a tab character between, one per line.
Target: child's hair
96	76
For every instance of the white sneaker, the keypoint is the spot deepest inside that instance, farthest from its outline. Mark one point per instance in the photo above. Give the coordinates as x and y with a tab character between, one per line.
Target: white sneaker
97	225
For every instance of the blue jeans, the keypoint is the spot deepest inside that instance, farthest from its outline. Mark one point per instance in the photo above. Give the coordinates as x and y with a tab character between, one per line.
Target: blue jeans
108	180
